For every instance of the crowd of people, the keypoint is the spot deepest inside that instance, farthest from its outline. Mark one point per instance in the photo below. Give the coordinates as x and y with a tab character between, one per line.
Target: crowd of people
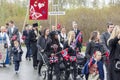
102	54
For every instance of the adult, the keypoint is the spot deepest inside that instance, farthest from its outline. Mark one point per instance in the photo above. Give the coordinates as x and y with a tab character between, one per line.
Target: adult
104	38
105	35
13	34
93	45
70	44
41	44
25	37
33	36
78	35
114	45
62	37
4	44
52	48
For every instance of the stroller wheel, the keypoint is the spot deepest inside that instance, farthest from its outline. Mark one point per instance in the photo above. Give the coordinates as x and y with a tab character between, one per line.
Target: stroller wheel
44	73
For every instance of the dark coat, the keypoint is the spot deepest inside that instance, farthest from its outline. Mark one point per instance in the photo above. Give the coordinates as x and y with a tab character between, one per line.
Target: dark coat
32	36
92	47
71	52
26	34
114	56
17	54
49	48
76	33
100	69
104	38
41	45
15	32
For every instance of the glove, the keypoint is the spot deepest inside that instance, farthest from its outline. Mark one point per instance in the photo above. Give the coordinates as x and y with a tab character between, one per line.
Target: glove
42	50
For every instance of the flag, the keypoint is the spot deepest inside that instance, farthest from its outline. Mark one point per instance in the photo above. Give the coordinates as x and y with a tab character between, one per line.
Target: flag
79	37
38	9
53	59
65	54
73	58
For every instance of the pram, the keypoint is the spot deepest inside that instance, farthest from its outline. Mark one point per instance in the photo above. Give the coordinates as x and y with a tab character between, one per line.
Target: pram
44	68
81	60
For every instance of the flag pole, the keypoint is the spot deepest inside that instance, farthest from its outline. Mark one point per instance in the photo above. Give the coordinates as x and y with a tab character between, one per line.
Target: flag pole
27	12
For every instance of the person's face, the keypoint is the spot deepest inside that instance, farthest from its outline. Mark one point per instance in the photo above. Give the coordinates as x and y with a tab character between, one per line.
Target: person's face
73	35
75	26
47	32
98	36
3	29
98	56
110	29
27	28
16	44
54	28
56	36
63	30
10	24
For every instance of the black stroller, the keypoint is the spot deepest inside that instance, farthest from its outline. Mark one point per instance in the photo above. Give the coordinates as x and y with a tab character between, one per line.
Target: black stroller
81	60
44	68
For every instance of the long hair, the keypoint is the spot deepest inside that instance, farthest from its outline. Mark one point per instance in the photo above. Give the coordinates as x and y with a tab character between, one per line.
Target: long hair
70	38
114	33
43	33
93	36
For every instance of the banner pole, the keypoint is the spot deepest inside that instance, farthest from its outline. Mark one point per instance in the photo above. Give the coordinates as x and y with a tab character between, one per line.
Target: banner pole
27	12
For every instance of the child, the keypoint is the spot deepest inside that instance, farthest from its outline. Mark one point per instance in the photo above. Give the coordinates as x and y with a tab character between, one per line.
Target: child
93	69
17	54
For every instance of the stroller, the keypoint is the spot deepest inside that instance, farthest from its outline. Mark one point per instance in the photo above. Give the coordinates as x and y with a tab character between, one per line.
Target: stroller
81	60
44	68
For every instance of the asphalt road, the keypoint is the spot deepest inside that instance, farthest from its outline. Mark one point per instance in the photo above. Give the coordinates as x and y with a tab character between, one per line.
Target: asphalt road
26	71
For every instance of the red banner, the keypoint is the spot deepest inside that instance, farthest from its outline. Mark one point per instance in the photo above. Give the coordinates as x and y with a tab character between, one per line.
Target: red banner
38	10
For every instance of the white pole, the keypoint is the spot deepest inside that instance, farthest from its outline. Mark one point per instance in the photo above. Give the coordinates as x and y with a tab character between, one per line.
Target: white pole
26	16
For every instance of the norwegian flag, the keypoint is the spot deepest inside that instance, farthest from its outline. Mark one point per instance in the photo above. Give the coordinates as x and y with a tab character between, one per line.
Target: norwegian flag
38	9
90	63
65	54
53	59
79	37
73	58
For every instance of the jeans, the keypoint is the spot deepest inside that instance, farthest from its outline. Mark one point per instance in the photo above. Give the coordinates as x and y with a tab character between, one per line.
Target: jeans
17	64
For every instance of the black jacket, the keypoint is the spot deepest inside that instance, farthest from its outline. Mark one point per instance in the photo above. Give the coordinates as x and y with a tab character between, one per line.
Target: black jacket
17	54
53	47
114	49
32	36
26	34
71	52
92	47
41	45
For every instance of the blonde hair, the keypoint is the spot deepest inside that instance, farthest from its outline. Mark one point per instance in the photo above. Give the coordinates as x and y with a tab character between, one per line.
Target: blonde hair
114	33
3	28
70	38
